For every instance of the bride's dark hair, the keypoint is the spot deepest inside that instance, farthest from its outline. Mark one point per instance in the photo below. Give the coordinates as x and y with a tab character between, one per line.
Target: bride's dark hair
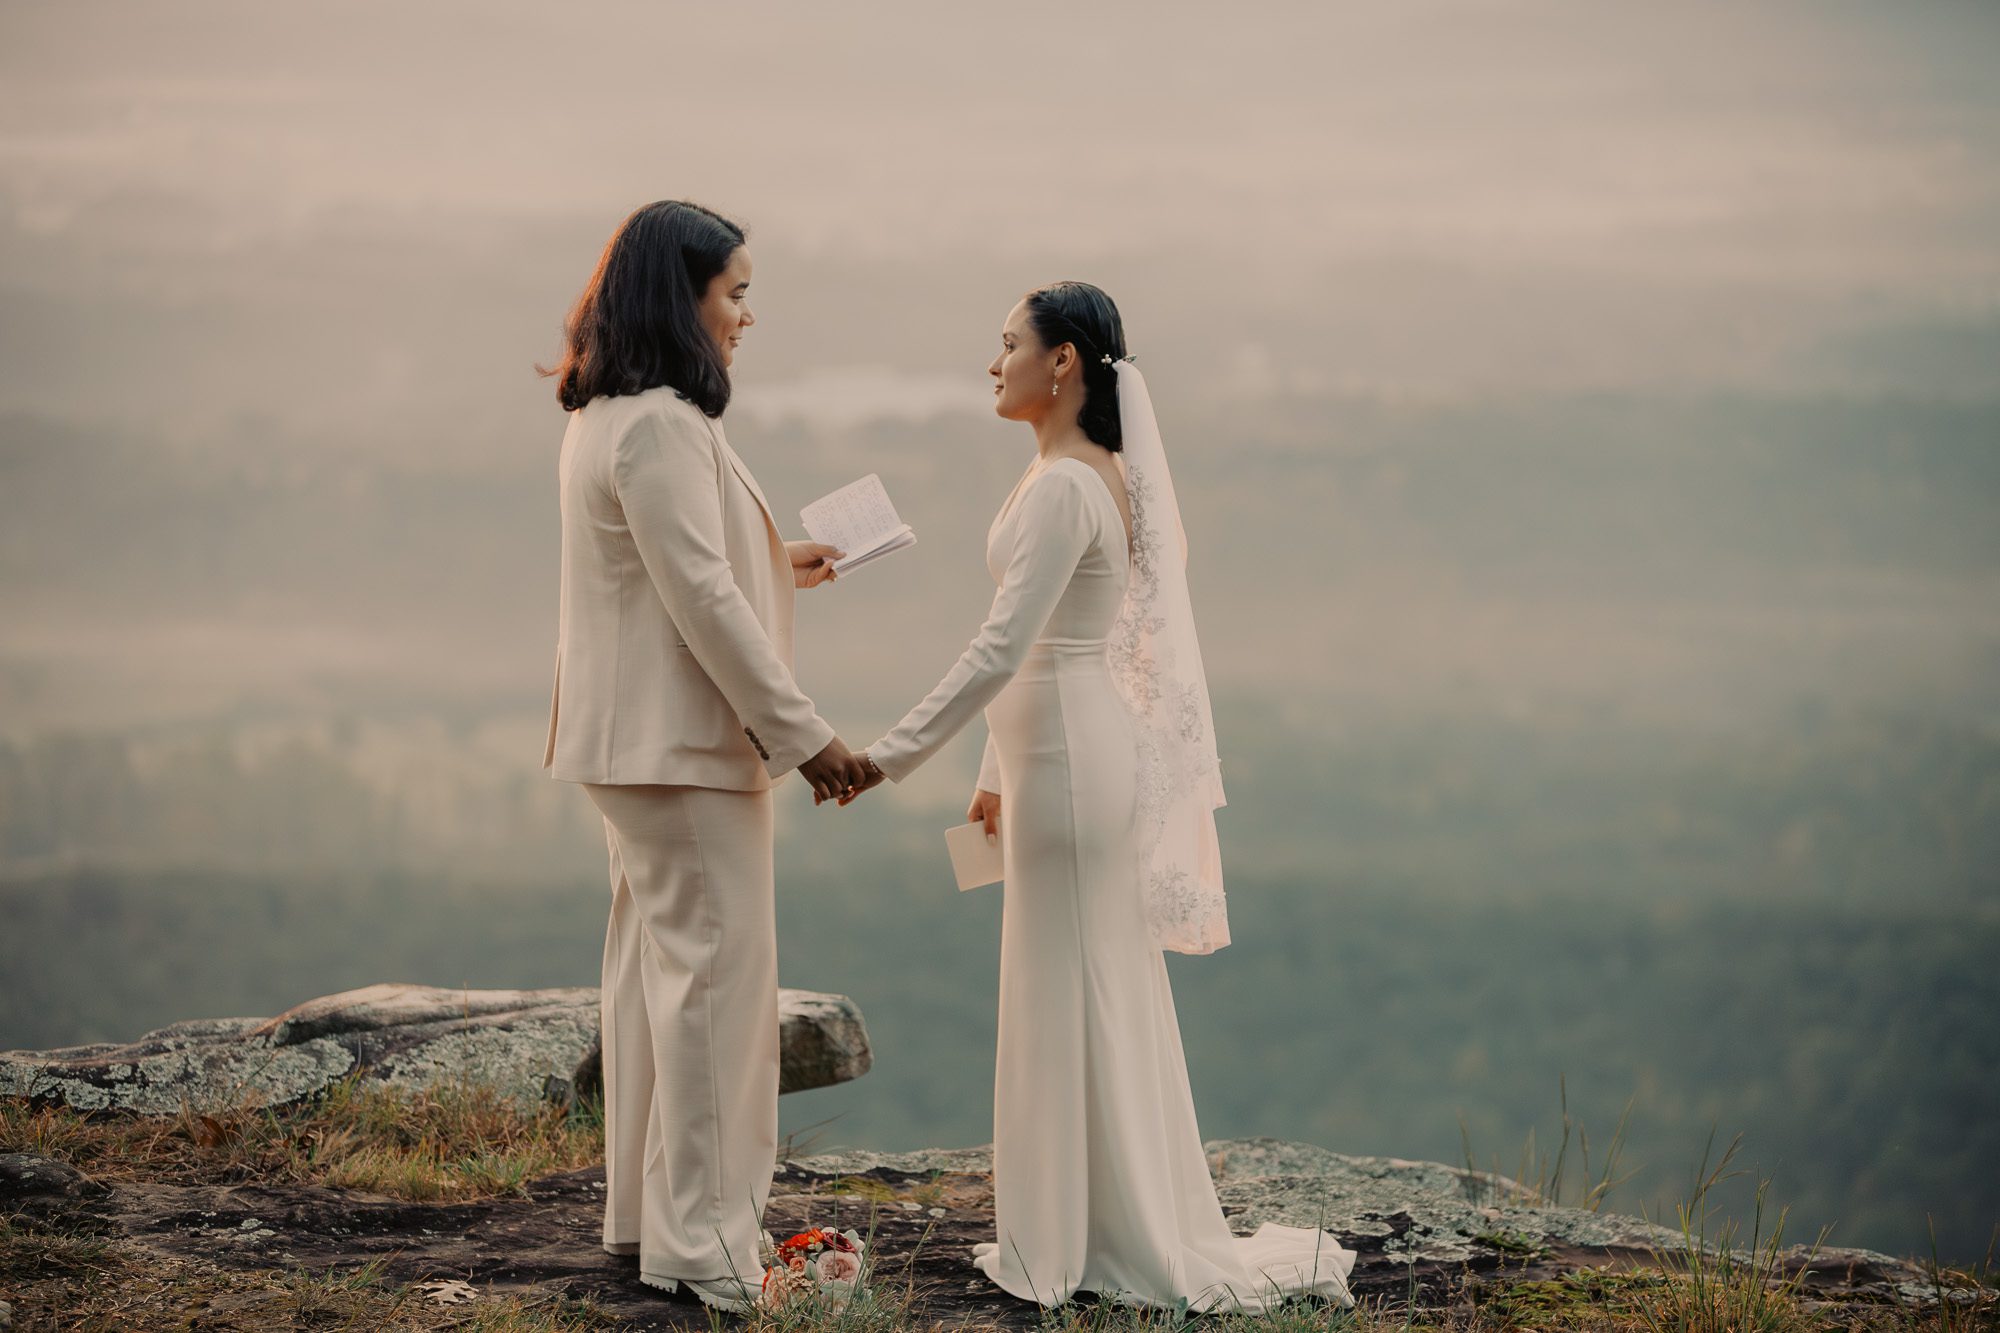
638	323
1076	312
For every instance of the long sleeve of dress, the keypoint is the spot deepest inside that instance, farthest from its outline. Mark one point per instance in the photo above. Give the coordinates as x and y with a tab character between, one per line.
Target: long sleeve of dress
665	478
1056	525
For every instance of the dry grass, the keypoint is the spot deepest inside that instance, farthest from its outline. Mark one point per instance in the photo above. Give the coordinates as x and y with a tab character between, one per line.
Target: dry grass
454	1142
1538	1178
451	1143
85	1284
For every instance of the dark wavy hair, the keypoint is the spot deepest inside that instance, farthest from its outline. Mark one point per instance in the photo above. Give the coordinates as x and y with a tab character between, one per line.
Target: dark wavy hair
1076	312
638	323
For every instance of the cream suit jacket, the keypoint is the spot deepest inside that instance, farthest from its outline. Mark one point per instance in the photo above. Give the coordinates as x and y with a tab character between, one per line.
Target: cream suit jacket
674	646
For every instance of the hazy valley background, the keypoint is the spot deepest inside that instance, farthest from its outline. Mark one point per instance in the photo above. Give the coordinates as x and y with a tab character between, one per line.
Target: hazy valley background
1586	425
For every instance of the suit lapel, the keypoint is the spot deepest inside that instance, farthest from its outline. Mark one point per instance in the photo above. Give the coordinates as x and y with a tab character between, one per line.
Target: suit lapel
742	470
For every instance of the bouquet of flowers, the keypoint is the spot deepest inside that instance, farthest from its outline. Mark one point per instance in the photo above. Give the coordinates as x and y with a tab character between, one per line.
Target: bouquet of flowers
817	1262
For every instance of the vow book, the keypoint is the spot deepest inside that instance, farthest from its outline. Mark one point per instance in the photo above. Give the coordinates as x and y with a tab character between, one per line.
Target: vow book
973	859
859	520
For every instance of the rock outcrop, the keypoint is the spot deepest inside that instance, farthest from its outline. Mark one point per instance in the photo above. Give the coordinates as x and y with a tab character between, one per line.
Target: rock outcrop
1423	1235
1427	1235
1413	1212
530	1044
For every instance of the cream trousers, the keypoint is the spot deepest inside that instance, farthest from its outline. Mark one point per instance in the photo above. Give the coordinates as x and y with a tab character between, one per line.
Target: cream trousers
690	1028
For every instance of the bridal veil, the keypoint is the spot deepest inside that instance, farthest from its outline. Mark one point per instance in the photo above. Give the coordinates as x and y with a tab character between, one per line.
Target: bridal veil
1156	660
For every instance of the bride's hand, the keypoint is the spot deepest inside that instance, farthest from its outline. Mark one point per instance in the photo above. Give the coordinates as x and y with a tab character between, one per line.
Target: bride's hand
985	807
874	777
812	563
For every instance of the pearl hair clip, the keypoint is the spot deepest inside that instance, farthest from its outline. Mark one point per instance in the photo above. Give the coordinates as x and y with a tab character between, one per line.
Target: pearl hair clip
1108	359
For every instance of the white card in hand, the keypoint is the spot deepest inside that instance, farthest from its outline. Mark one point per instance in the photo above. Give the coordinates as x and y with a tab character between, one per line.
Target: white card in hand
973	859
859	520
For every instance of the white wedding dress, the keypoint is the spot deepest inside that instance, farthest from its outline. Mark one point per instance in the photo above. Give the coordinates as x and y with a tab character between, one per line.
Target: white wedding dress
1100	1181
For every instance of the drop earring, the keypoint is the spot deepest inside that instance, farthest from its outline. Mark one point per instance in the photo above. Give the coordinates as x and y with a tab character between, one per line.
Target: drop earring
1055	387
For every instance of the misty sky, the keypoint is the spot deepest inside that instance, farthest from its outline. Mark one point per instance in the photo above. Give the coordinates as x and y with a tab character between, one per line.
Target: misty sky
1423	196
274	279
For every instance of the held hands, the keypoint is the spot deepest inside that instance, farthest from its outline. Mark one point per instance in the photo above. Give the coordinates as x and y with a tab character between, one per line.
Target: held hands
835	773
876	777
812	563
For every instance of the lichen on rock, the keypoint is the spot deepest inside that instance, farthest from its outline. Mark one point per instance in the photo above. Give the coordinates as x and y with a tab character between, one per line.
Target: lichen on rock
526	1044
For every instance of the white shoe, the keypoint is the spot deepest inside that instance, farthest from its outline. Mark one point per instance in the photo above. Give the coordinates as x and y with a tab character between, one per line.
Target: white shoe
724	1293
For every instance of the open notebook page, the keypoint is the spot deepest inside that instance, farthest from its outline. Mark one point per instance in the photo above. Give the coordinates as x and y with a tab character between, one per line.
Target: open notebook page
859	520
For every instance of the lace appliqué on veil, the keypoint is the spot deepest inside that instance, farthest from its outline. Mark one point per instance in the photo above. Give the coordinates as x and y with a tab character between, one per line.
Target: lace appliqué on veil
1179	775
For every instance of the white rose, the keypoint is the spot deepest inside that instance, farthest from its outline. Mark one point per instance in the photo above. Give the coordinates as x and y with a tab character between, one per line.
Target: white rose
838	1266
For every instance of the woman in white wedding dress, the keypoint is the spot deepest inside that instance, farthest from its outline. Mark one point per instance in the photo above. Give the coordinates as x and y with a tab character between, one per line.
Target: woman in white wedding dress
1100	753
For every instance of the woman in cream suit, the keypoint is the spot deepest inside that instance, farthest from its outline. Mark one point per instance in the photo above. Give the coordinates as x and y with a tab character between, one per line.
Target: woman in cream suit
674	706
